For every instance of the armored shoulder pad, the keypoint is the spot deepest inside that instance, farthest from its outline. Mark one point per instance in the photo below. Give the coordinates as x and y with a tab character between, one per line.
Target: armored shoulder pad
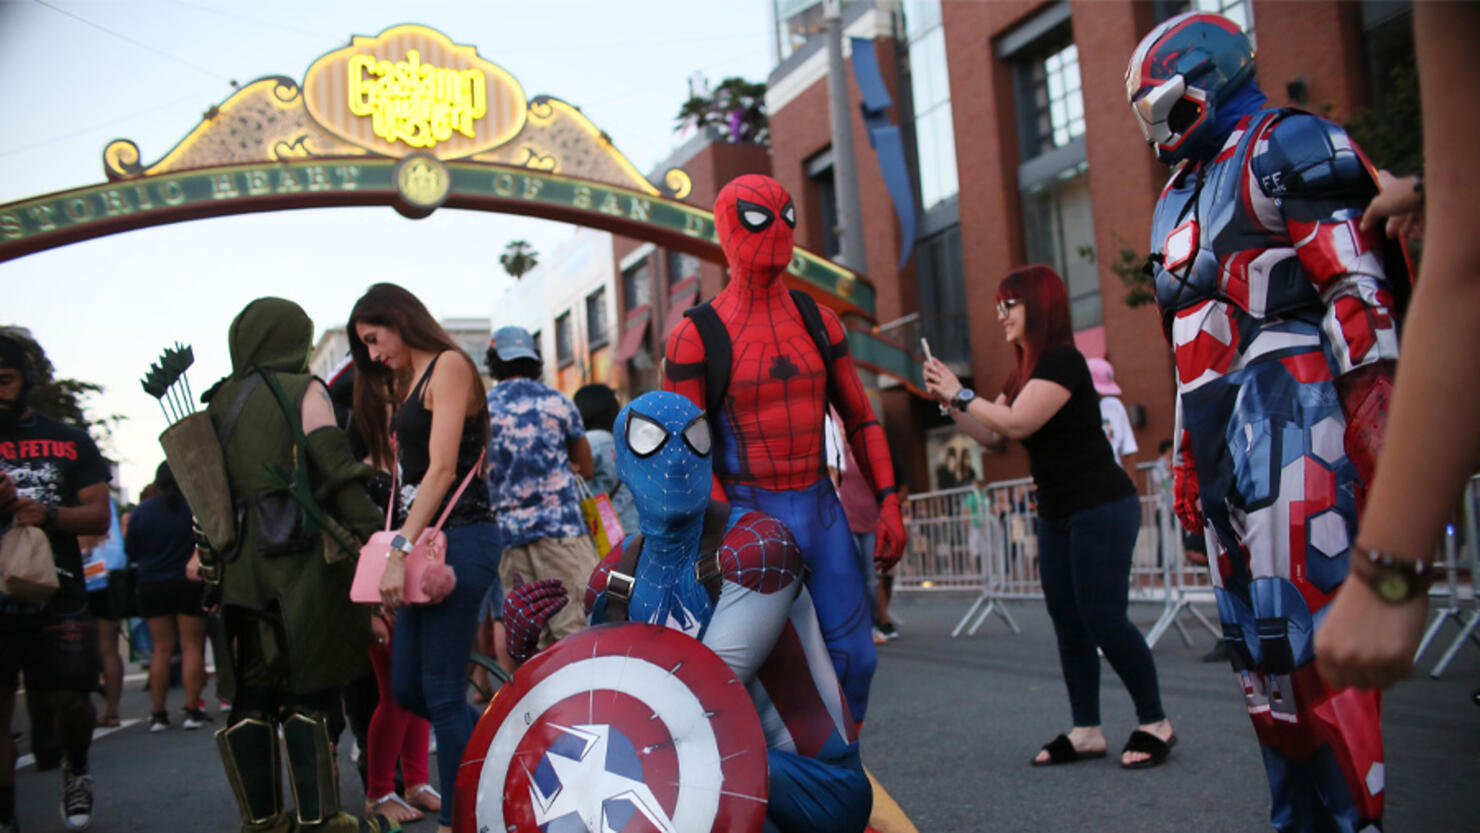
1307	156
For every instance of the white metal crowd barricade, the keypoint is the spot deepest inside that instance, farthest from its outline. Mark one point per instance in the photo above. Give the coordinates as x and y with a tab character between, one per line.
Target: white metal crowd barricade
1453	590
1160	572
987	541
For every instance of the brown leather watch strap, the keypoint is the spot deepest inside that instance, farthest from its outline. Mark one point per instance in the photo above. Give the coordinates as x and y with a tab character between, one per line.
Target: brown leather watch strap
1369	565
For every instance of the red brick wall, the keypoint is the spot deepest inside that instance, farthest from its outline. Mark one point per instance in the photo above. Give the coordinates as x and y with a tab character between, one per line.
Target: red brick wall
1124	182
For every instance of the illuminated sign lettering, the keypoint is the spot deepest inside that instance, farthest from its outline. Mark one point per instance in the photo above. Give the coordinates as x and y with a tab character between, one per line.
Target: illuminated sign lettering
416	103
410	89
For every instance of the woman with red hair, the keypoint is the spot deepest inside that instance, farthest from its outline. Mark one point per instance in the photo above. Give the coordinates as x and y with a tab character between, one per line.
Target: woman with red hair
1088	512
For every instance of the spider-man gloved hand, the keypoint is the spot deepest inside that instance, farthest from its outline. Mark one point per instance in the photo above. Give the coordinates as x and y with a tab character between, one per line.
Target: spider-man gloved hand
1185	498
1365	394
527	608
889	534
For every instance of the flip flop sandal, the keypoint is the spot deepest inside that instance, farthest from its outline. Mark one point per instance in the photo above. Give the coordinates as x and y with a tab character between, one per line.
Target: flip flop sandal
425	788
376	808
108	721
1148	744
1061	751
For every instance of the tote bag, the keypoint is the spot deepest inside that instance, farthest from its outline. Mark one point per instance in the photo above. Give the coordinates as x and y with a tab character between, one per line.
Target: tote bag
600	517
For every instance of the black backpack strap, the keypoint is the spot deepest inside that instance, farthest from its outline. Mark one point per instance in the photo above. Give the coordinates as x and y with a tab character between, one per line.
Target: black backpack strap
718	354
621	579
234	413
707	569
817	328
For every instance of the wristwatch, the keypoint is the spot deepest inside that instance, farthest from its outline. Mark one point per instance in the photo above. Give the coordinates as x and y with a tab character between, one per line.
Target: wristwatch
401	545
1394	580
963	398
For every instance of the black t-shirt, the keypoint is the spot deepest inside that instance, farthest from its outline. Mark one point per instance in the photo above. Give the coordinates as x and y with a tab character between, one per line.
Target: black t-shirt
1071	460
51	462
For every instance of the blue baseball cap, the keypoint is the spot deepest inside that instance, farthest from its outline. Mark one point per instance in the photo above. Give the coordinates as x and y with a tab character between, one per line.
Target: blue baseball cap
511	343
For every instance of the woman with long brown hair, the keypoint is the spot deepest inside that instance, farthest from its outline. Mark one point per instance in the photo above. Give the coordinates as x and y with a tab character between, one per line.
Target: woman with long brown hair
1088	512
414	384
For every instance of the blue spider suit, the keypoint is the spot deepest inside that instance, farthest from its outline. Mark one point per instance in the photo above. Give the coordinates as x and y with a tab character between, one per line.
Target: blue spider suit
1281	314
761	623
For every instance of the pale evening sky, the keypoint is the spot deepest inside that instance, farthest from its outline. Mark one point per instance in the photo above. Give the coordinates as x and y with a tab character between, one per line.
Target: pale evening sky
79	73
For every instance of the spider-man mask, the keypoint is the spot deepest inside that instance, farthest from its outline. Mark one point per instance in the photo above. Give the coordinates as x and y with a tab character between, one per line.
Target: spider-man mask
756	222
662	448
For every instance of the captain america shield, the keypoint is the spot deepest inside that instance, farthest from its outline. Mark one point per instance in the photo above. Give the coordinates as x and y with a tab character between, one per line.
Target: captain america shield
620	728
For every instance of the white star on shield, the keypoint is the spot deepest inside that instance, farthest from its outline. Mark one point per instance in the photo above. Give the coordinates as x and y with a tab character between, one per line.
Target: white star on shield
587	788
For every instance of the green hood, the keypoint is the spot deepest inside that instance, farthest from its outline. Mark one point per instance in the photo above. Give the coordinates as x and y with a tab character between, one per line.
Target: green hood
271	333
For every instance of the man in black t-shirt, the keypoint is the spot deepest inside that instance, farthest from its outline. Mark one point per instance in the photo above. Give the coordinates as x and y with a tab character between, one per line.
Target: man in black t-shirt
52	477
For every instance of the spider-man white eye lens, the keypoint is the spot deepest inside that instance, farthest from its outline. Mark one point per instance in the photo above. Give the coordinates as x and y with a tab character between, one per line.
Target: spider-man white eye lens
696	435
789	214
753	216
644	436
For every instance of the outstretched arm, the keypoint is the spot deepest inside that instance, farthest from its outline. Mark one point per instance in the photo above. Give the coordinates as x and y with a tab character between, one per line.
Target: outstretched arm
866	439
1433	440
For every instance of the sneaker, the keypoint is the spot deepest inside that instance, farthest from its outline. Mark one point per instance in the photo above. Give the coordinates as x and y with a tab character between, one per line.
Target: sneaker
196	718
159	722
890	632
879	637
77	800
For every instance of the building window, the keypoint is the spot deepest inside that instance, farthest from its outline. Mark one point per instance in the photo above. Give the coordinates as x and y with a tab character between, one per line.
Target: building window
565	348
930	90
942	280
1053	178
825	193
1050	103
681	267
637	285
1060	231
597	333
796	21
1238	11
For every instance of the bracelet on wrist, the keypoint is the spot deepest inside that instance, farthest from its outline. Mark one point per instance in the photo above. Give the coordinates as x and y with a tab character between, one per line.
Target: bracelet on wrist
1394	580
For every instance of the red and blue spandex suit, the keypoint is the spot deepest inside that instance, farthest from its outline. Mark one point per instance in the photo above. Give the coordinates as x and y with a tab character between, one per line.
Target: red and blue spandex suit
769	426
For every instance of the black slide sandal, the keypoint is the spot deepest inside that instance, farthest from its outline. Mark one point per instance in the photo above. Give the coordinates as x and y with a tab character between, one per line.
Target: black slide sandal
1061	751
1148	744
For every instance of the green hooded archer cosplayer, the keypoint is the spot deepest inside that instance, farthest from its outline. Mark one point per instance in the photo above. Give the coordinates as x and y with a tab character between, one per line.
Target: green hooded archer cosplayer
284	584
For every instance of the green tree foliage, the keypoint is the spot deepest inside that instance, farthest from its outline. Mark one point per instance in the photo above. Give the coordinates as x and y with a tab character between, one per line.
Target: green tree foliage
736	110
518	258
63	398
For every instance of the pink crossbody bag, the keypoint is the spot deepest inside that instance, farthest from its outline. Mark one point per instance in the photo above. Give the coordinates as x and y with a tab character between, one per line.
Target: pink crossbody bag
430	550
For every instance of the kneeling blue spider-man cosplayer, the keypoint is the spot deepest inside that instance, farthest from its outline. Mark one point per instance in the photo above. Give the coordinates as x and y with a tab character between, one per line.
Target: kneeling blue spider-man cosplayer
733	580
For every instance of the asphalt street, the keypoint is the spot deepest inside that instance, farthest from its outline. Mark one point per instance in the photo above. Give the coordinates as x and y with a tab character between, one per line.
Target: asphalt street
952	725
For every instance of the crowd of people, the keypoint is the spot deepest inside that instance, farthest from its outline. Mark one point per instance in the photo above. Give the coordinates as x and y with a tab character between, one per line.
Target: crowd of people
758	510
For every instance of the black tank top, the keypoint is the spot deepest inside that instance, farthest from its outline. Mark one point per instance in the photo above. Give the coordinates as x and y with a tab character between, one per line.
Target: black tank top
412	427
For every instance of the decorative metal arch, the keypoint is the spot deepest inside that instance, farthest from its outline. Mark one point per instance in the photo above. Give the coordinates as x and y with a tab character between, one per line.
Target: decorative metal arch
411	120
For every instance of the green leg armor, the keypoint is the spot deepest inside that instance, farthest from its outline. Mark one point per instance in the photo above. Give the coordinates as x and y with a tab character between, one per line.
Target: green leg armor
311	769
249	751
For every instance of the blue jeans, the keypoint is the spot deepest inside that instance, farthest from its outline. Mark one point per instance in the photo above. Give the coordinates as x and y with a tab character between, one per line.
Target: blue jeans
430	650
1084	561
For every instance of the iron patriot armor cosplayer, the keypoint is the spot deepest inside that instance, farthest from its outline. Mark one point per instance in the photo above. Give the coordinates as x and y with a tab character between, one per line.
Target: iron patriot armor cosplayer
284	592
734	580
1281	315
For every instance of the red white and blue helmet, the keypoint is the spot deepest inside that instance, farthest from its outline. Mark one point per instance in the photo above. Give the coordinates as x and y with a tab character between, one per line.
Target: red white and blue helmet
1178	76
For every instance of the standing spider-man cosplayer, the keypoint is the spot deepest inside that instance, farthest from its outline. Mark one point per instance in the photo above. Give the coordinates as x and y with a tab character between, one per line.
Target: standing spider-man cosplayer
752	358
1281	317
731	578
